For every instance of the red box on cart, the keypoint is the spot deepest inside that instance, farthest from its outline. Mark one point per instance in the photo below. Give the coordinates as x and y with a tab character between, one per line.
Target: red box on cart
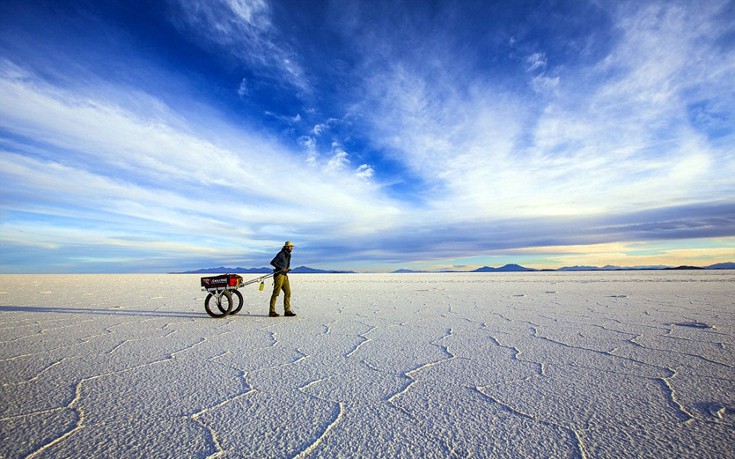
222	281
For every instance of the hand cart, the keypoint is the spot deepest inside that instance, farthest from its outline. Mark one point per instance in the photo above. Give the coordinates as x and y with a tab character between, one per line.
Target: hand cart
222	288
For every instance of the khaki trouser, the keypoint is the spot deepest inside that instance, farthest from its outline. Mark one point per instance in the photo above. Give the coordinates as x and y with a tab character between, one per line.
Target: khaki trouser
280	282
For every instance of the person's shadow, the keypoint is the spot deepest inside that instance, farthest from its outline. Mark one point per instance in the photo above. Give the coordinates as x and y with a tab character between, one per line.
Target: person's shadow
118	312
103	312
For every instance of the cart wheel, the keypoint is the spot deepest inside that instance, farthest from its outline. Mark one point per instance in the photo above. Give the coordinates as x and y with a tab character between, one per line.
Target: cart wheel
222	310
235	307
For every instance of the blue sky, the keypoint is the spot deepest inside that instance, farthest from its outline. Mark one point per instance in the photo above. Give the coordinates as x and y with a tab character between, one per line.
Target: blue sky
171	135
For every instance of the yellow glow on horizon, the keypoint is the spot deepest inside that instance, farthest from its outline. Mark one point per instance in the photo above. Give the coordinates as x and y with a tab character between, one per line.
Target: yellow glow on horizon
699	253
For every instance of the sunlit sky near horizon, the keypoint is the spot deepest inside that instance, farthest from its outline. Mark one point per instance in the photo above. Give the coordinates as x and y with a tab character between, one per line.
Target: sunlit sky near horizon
174	135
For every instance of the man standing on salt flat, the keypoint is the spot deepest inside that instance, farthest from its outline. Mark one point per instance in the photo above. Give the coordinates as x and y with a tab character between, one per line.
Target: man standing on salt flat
281	264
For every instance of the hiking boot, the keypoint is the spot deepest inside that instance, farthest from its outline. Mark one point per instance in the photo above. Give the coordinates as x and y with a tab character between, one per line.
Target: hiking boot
290	314
274	314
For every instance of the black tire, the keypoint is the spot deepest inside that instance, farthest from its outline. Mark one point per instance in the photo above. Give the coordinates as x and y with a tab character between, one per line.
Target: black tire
235	307
222	309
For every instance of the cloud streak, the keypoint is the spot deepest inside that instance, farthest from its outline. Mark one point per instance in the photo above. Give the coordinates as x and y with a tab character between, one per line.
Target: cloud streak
470	239
599	144
124	173
244	29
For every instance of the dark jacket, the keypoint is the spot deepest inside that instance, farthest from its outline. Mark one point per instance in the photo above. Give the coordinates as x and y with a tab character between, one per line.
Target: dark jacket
282	261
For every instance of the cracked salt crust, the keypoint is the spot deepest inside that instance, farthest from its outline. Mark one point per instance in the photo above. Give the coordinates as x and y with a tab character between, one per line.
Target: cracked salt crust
483	365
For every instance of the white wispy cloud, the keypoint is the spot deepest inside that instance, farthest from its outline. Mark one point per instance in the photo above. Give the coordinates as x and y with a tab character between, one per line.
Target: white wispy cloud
610	137
339	160
243	89
365	171
543	84
244	29
129	172
536	61
322	128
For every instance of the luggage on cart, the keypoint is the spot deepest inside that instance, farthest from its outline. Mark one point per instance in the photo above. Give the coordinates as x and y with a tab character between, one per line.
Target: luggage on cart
224	280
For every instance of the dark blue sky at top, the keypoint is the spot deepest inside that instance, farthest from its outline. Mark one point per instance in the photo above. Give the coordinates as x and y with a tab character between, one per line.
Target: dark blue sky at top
462	121
475	38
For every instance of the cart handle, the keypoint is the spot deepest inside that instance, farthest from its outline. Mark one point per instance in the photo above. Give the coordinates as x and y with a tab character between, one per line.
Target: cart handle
259	279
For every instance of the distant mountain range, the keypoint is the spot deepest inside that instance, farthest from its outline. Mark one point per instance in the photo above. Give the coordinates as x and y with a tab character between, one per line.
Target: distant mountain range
728	265
509	268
